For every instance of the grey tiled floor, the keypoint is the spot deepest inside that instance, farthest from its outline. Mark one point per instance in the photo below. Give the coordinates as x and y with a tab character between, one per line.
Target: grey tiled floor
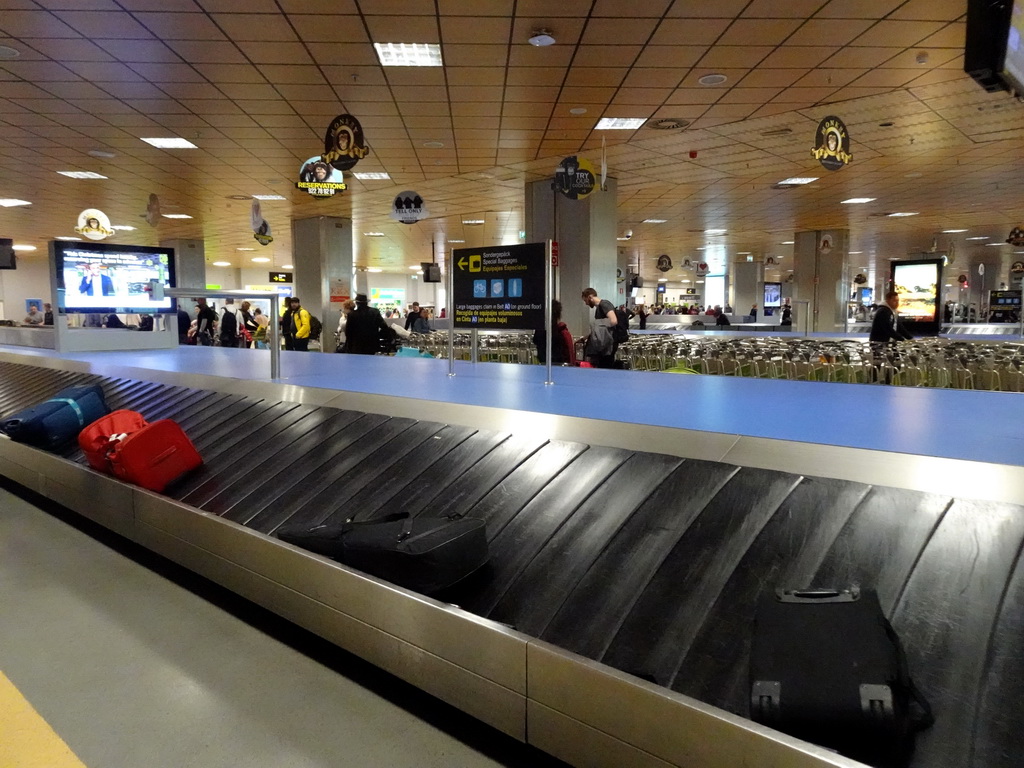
135	662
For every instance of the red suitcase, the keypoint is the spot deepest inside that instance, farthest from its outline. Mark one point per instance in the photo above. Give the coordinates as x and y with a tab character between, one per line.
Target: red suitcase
97	439
155	456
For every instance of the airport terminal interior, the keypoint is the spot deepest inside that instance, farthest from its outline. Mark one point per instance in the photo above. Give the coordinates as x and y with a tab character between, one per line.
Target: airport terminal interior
748	179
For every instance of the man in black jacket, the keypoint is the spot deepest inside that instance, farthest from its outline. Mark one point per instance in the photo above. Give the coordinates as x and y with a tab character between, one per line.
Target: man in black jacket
364	327
886	325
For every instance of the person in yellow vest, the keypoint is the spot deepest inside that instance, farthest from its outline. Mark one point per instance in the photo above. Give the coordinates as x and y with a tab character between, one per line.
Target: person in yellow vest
295	326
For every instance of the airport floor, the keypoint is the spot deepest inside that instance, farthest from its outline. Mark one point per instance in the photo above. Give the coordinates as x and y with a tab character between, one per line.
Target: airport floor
111	657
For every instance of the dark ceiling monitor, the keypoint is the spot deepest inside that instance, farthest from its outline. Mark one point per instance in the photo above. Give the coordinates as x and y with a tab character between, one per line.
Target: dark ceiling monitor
993	55
105	278
8	258
431	272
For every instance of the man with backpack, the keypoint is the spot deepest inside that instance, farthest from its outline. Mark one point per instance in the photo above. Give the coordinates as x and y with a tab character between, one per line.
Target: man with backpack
295	326
229	327
600	347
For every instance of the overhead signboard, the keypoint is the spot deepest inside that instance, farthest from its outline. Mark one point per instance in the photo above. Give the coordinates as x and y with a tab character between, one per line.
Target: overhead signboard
408	207
499	287
832	144
320	179
344	145
575	178
280	277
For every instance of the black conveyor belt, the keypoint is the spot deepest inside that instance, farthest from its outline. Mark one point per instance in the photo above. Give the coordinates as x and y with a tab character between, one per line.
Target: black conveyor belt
649	563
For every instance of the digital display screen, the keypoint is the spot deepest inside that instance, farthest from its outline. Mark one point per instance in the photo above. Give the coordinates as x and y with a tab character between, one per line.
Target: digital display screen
1006	298
917	284
1013	64
112	278
773	294
8	256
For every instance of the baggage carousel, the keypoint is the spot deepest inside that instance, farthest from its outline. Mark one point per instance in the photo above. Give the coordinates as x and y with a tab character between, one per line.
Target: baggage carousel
612	625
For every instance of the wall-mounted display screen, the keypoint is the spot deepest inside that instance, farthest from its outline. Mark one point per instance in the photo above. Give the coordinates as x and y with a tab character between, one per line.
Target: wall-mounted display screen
431	272
8	256
714	290
1013	64
105	278
773	294
917	283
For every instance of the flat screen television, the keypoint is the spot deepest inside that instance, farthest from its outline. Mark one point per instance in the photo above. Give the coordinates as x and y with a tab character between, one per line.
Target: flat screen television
8	257
431	272
773	294
993	52
106	278
917	282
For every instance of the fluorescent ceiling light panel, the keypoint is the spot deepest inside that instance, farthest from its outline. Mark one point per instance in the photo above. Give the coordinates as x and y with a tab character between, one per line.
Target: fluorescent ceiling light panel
456	241
953	231
81	175
662	279
856	253
66	238
653	221
287	266
172	142
177	216
414	268
858	200
10	202
261	259
901	214
374	269
472	222
122	228
619	123
23	247
372	176
786	242
978	237
222	263
245	249
796	181
715	231
268	197
374	234
995	245
409	54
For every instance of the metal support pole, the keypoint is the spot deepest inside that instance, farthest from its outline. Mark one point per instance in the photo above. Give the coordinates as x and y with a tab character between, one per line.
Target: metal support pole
548	296
451	312
474	346
272	340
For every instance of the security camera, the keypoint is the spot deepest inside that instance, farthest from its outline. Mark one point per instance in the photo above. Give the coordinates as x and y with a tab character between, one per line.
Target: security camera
629	234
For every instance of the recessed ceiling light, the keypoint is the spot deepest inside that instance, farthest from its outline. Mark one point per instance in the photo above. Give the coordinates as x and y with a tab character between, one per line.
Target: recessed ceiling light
456	241
858	200
10	202
954	231
374	269
472	222
654	221
269	197
686	281
245	249
796	181
433	144
372	176
662	279
373	234
714	231
287	266
743	253
122	228
6	52
996	245
978	237
714	78
172	142
81	175
222	263
619	123
260	259
409	54
176	216
23	247
901	214
102	153
856	253
65	238
578	111
699	282
541	38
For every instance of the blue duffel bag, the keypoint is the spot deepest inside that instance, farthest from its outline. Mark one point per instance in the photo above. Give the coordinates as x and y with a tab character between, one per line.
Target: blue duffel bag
57	422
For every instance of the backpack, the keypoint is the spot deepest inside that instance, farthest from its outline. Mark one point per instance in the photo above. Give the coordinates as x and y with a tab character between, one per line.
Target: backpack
620	331
315	327
228	325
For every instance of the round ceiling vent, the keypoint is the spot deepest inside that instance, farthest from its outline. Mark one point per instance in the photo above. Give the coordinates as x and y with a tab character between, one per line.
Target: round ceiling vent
6	52
712	79
239	197
667	124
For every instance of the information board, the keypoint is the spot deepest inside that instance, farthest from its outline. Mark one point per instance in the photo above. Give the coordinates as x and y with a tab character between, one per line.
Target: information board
499	287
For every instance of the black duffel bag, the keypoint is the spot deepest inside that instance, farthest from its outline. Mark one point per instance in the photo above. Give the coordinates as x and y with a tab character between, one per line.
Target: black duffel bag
57	421
425	554
826	666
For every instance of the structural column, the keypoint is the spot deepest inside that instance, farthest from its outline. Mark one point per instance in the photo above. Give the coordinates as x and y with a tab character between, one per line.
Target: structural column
189	262
322	258
747	287
585	231
820	277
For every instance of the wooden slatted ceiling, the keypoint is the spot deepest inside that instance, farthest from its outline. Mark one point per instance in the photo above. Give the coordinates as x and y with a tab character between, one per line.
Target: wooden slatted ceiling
255	84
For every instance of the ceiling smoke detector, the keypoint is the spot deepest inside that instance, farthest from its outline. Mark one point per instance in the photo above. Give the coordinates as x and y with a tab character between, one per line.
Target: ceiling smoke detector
667	124
542	38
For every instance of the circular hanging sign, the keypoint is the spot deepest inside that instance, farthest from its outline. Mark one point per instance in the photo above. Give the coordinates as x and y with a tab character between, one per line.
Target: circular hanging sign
702	269
260	226
320	179
409	208
344	145
962	279
1016	237
832	144
575	178
981	270
94	224
1017	268
664	263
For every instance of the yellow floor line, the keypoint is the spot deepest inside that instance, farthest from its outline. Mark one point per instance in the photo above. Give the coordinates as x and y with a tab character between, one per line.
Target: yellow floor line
26	740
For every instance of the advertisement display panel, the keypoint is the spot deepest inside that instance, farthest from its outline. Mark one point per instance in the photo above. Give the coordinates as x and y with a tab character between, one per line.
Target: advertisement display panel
499	287
917	282
773	294
101	278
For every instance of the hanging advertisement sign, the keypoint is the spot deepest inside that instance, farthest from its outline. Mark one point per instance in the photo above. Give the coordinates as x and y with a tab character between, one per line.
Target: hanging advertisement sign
825	247
94	224
409	208
575	178
917	282
499	287
702	269
771	261
320	179
153	211
832	144
664	263
1016	237
341	290
344	145
260	226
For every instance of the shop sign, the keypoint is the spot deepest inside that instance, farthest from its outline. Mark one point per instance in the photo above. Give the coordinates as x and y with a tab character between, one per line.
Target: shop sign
575	178
619	277
664	263
153	211
832	144
260	226
499	287
94	224
409	208
1016	237
1017	268
320	179
344	145
702	269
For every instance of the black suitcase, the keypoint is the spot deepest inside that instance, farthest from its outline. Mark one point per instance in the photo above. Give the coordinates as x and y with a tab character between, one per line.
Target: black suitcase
422	554
827	667
57	421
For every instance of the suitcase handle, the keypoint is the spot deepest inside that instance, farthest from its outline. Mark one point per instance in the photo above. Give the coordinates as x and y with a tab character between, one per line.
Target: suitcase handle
818	595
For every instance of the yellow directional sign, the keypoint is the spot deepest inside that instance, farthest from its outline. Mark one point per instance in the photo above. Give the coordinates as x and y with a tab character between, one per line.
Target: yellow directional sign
475	262
463	263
